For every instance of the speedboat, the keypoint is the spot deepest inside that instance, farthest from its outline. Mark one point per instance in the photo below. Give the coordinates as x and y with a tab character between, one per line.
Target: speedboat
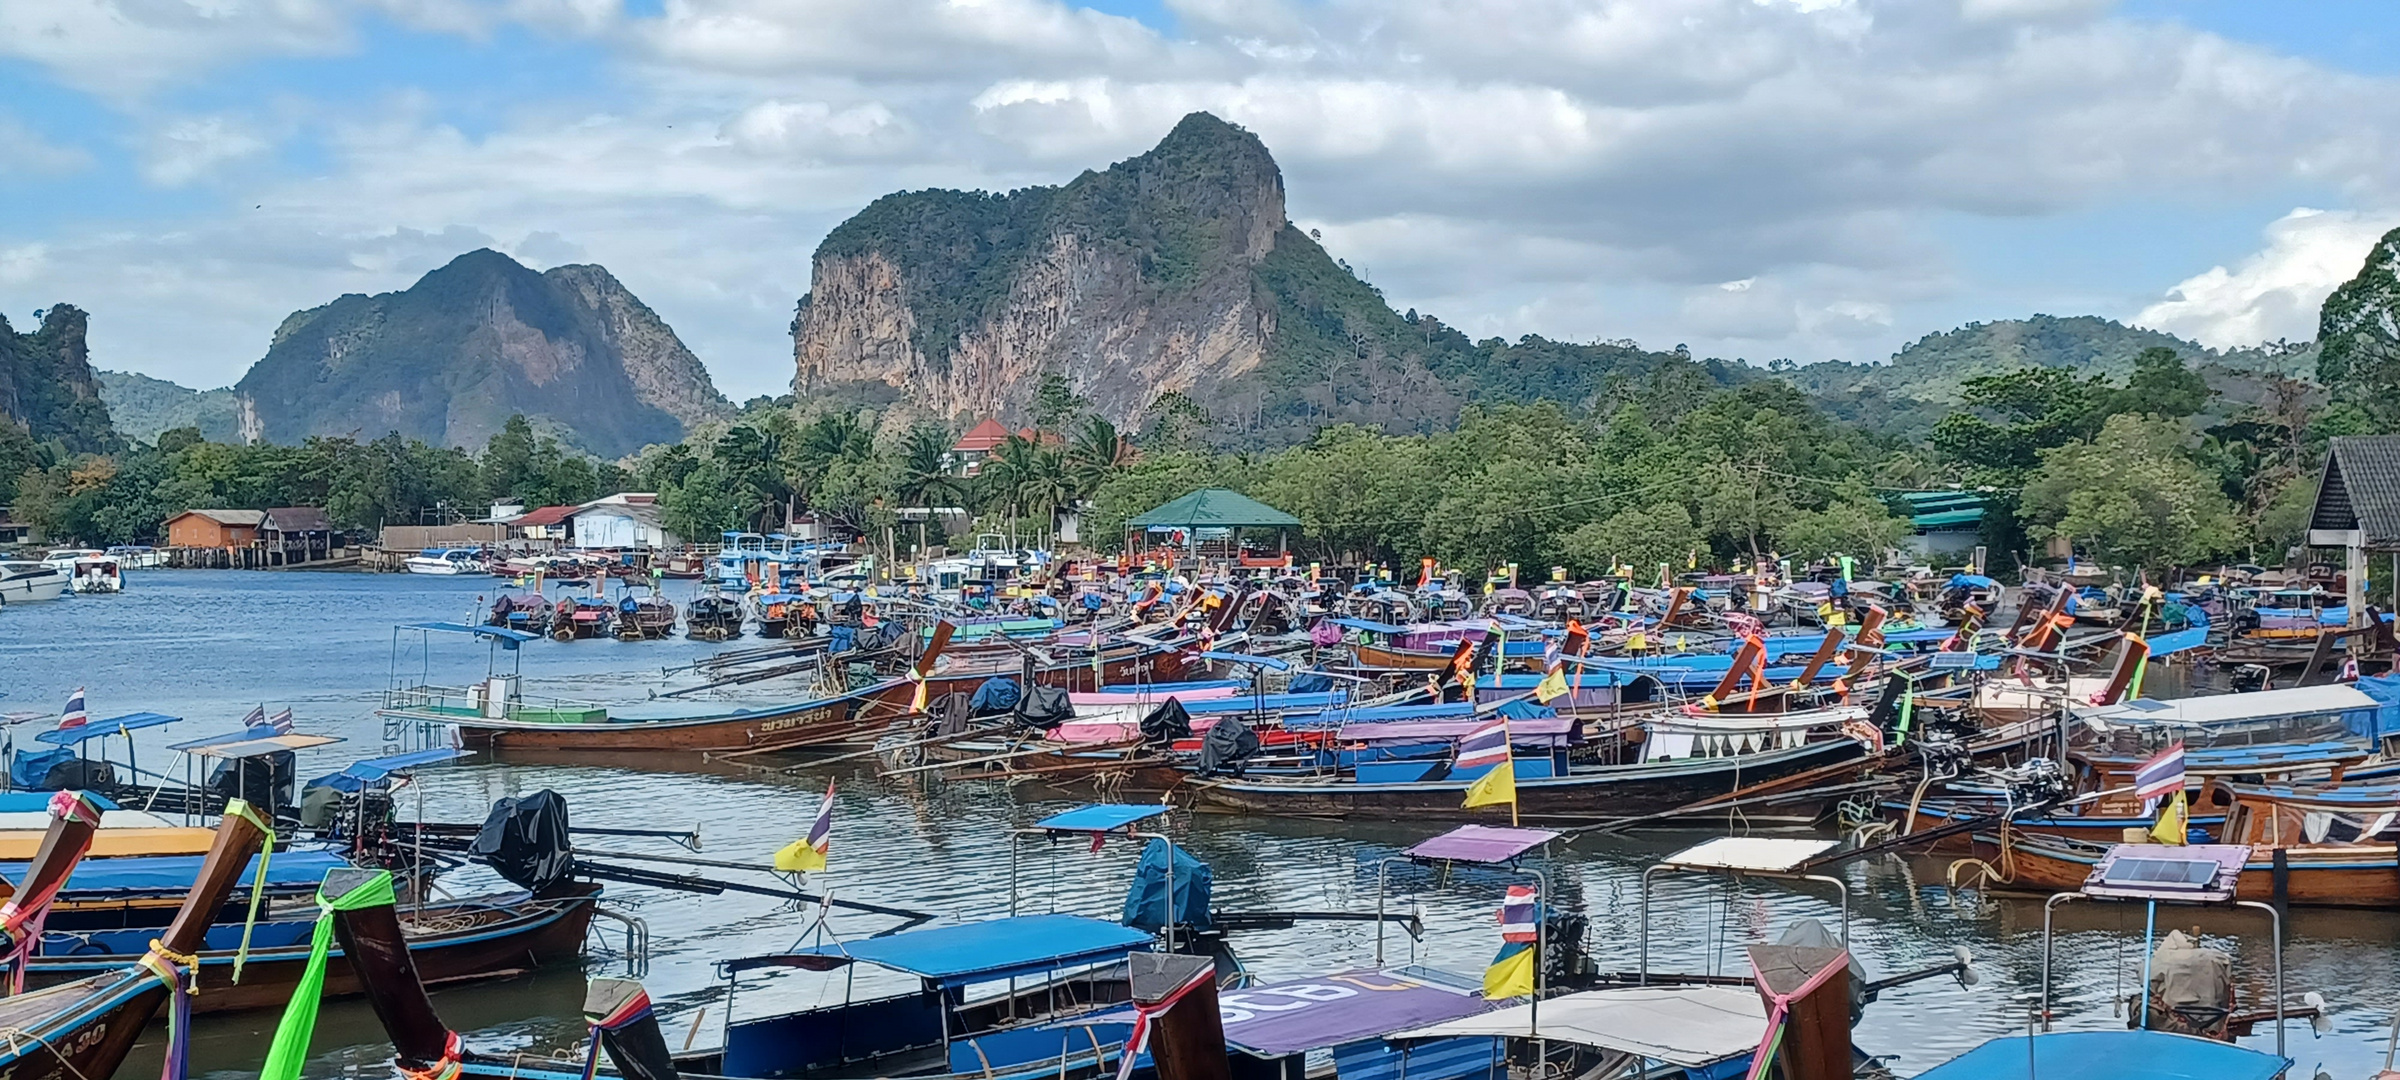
447	561
96	574
23	581
66	558
138	556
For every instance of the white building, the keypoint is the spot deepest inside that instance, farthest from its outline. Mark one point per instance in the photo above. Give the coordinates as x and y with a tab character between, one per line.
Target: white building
623	520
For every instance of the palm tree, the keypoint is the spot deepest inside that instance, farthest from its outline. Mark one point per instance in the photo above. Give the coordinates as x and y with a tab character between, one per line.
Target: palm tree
1005	475
1096	454
1045	486
925	478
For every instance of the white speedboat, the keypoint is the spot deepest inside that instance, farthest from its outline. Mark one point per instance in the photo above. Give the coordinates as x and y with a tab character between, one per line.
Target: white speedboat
447	561
97	574
138	557
25	581
66	558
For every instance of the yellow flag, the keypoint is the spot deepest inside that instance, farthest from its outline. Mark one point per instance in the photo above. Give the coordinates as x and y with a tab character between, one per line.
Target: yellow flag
1494	787
1552	686
1509	976
798	855
2174	822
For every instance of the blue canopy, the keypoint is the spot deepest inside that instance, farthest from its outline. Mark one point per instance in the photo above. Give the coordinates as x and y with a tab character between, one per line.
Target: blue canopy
990	951
1972	581
115	725
20	802
176	873
2109	1055
1268	662
1368	625
362	773
504	635
1101	817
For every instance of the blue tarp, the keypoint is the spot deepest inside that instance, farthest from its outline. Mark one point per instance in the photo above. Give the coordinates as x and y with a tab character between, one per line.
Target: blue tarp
2108	1055
20	802
2382	720
1100	817
1972	581
115	725
362	773
1368	625
176	873
993	950
1146	901
996	695
31	768
1268	662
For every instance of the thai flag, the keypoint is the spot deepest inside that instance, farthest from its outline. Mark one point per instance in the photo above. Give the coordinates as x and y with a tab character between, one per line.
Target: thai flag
2161	775
820	831
1486	745
281	721
1520	915
258	715
74	716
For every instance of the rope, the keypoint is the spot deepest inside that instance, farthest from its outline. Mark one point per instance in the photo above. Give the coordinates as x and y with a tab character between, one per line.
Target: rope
11	1033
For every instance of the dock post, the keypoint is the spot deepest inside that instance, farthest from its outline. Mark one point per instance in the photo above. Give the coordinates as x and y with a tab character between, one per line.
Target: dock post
1177	994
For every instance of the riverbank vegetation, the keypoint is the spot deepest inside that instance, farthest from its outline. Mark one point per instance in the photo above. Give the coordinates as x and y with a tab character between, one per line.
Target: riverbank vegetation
2153	469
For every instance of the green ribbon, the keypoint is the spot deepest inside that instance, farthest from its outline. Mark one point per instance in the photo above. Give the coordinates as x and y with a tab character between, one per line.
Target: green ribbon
1908	709
258	882
299	1021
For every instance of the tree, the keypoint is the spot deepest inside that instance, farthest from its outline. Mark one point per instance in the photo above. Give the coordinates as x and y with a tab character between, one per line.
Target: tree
1055	403
1853	522
1095	455
2162	386
925	474
1640	536
2132	494
508	468
2358	336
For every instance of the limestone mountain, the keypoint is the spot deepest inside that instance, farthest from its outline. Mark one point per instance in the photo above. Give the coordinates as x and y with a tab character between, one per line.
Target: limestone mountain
2358	330
451	358
143	407
47	389
1175	271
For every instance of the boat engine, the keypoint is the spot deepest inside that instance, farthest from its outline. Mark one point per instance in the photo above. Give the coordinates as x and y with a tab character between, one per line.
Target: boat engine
2191	989
2035	782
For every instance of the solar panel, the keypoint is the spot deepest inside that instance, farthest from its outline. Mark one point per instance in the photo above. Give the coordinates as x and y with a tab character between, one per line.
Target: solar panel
2169	873
2148	705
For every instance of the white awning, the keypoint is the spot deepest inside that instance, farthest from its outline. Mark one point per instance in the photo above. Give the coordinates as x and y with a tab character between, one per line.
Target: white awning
2229	708
1687	1026
1760	854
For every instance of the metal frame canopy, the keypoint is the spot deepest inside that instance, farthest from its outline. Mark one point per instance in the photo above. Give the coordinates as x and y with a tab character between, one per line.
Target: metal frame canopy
1100	821
2107	1055
1784	858
1484	845
115	725
2150	875
977	952
1100	817
1685	1026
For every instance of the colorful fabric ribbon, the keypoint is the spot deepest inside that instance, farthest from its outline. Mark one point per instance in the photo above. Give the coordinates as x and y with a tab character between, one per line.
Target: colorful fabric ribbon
628	1012
23	916
236	808
299	1022
181	973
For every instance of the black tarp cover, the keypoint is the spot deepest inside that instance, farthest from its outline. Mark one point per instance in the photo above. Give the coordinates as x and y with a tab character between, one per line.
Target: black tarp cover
1045	707
1228	746
1167	723
525	840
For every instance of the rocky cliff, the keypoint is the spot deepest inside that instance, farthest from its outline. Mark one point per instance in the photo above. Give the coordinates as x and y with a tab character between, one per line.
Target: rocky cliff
1172	271
47	388
449	359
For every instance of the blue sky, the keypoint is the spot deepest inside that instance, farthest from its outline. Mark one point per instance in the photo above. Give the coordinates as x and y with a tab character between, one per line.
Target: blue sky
1812	179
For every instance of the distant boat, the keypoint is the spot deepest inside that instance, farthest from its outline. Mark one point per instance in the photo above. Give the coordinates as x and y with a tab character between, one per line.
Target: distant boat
138	556
21	582
447	562
96	574
713	616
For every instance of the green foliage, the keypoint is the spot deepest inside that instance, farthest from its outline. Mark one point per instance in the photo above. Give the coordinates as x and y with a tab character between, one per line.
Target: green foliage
1639	536
1852	522
2358	335
47	388
143	407
2133	496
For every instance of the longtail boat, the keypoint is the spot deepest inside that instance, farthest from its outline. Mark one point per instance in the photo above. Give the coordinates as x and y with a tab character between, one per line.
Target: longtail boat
85	1028
2306	846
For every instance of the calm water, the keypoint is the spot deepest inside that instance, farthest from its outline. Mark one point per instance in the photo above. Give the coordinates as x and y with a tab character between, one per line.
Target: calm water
208	645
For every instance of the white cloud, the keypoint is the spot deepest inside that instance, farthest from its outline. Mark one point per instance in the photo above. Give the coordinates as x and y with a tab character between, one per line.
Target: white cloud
1576	168
190	149
22	263
25	152
2274	293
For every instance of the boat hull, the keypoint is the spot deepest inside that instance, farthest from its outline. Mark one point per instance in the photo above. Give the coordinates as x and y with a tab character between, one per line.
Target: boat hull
550	930
1601	791
24	583
2363	876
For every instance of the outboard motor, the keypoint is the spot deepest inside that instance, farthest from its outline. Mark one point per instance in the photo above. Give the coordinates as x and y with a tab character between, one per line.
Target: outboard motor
1167	723
2035	782
266	781
525	840
1227	748
1044	707
2191	989
1146	900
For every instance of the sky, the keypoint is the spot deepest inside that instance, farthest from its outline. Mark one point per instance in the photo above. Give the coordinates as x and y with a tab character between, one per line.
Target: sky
1763	179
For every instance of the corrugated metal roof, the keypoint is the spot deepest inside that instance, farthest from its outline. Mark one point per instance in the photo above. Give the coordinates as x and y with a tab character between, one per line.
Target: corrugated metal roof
2360	489
1215	508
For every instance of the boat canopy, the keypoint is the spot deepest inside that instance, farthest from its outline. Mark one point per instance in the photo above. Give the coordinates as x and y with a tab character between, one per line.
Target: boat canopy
1547	730
1757	854
175	873
2351	796
1369	625
271	744
1685	1026
1268	662
24	802
2108	1055
2255	705
1481	844
115	725
508	638
1101	817
978	952
254	731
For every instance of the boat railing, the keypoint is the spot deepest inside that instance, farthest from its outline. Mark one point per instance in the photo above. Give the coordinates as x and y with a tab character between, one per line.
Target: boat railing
457	702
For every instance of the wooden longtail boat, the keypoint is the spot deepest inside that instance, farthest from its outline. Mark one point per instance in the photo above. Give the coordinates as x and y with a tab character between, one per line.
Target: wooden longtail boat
1583	792
450	943
85	1028
852	717
2342	867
